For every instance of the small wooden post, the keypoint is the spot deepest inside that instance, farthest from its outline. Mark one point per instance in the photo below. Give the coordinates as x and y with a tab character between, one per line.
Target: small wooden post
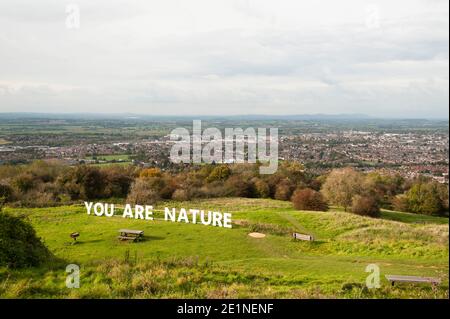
74	236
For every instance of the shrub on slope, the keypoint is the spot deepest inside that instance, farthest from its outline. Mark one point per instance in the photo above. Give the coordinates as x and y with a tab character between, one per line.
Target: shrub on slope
19	245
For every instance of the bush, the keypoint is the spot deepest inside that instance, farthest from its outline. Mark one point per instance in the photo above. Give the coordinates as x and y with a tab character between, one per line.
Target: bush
93	183
211	190
400	203
238	187
167	191
262	189
24	182
283	190
6	192
180	195
19	245
308	199
365	206
141	193
118	185
150	172
219	173
84	182
38	198
427	198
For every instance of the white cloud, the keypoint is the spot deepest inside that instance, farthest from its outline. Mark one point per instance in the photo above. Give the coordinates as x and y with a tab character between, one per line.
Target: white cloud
226	57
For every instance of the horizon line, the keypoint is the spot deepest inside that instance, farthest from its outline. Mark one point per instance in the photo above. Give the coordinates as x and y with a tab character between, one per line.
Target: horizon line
342	115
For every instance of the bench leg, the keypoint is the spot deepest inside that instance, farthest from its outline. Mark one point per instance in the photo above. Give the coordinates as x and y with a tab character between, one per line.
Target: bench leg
393	283
434	287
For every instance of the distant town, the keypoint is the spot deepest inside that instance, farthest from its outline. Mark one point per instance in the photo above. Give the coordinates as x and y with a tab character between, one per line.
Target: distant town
408	148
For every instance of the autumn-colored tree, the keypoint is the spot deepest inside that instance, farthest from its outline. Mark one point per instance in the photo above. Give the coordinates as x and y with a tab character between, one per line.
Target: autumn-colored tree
84	182
141	193
309	199
6	193
219	173
93	183
317	182
181	195
238	187
341	186
262	189
365	206
24	182
118	185
283	191
400	203
293	170
383	187
45	171
150	172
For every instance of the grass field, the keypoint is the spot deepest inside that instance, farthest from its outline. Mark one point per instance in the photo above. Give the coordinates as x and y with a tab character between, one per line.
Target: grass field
111	160
197	261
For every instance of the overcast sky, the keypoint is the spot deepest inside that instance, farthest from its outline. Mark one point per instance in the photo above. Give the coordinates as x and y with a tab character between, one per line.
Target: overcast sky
202	57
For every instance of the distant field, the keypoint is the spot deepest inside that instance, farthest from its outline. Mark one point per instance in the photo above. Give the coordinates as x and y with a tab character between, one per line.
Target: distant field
109	160
111	164
119	157
193	261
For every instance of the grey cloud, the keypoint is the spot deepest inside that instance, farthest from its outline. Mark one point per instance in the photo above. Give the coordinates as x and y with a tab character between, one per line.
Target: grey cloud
120	60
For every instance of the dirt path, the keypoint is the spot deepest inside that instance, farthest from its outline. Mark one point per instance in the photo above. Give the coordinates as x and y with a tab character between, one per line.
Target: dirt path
257	235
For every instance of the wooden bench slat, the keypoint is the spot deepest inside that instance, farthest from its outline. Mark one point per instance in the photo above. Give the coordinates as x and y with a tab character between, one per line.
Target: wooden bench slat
126	238
418	279
131	234
302	236
131	231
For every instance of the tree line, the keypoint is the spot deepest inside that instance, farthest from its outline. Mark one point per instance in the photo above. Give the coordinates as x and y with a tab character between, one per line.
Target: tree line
49	183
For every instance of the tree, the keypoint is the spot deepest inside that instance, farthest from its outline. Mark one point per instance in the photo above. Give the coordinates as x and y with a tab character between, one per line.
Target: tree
309	199
365	206
2	202
142	193
24	182
283	191
150	172
118	185
341	185
45	171
219	173
262	189
400	203
293	170
383	187
443	195
180	195
239	187
84	182
6	193
425	198
93	183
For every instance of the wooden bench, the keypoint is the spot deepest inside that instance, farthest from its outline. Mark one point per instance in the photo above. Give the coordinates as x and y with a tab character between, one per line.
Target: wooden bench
397	278
131	234
302	237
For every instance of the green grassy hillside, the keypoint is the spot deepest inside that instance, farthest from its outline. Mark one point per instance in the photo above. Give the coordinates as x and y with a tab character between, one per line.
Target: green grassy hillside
186	260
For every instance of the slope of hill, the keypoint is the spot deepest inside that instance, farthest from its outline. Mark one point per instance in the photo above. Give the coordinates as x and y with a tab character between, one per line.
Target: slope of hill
190	261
